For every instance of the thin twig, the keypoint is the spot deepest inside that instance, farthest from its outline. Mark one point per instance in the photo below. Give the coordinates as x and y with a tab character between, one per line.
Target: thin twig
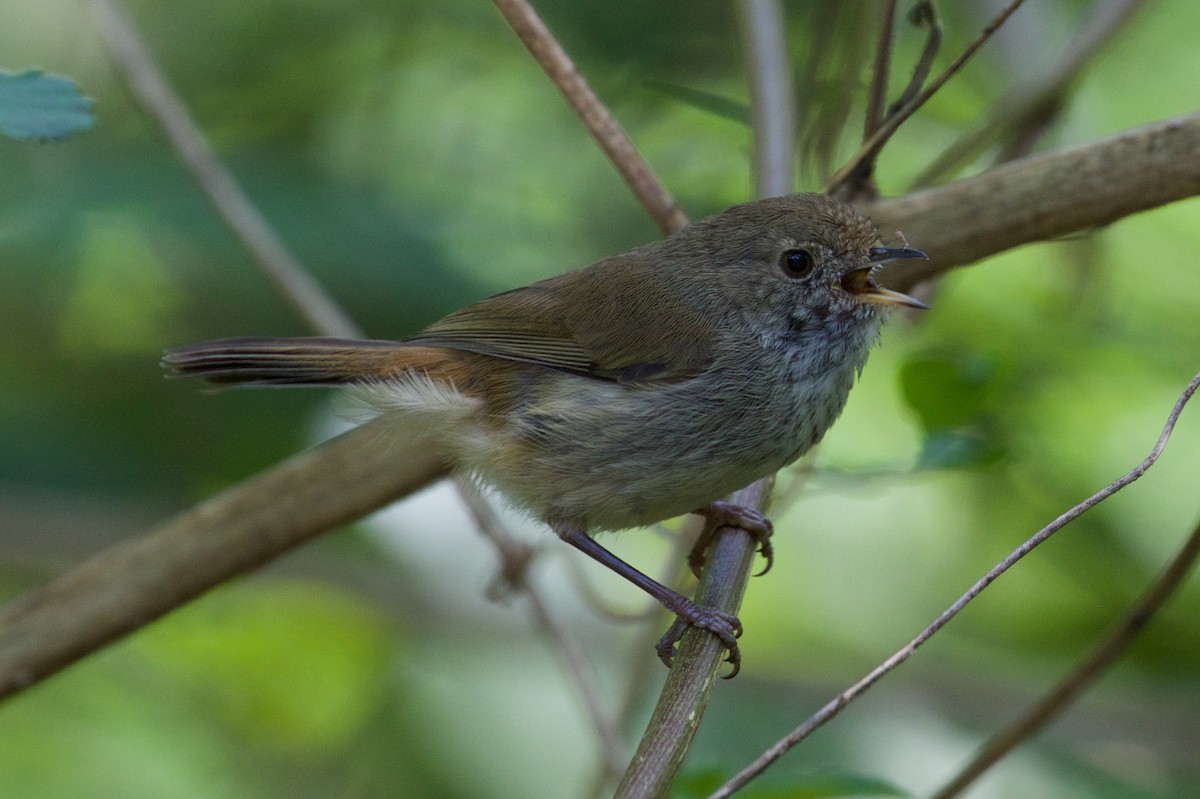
924	13
1028	109
516	558
772	110
1103	656
871	147
877	97
152	89
860	184
596	117
835	706
684	698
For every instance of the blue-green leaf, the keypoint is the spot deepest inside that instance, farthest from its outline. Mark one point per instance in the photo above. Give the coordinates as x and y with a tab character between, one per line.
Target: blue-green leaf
959	448
36	106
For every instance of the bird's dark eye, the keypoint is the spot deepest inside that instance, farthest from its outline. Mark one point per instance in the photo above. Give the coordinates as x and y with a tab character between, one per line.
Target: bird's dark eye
796	263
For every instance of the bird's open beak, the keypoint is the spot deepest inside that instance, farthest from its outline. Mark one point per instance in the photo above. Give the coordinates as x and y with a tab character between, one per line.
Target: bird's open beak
861	281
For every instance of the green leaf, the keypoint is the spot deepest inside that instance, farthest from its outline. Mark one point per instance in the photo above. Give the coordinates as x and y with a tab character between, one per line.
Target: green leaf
705	101
946	391
950	394
39	107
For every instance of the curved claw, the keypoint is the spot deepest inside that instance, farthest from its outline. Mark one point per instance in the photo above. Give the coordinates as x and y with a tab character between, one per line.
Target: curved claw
767	550
666	645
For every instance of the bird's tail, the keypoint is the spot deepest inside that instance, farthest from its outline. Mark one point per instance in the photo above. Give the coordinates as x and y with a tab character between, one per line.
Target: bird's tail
297	361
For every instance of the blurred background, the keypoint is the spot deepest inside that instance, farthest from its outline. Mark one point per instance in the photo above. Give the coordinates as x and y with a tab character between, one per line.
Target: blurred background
416	160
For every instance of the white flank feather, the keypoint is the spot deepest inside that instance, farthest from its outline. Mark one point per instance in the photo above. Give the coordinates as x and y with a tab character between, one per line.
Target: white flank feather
415	396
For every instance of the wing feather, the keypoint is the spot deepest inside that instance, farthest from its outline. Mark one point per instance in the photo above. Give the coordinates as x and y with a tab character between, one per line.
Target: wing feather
613	321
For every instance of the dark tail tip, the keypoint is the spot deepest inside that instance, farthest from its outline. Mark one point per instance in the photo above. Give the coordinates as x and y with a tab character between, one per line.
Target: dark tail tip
275	361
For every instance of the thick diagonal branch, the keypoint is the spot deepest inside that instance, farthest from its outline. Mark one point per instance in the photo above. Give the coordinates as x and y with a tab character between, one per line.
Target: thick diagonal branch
138	580
1042	197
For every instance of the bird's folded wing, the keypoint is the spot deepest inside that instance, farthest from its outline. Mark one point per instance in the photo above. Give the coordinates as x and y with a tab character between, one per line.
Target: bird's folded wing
613	321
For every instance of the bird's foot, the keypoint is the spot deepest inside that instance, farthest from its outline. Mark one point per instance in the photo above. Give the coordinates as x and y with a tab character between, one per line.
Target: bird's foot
724	626
727	514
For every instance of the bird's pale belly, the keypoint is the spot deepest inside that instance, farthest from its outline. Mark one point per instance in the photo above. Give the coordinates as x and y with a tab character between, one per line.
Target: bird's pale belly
603	456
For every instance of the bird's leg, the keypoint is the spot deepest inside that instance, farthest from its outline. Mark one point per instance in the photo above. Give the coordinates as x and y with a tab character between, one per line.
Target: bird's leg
724	626
726	514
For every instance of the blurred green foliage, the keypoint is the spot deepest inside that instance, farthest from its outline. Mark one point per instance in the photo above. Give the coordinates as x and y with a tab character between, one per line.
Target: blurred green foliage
415	159
702	784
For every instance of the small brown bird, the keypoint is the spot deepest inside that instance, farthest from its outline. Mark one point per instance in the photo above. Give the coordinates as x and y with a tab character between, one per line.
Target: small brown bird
645	386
